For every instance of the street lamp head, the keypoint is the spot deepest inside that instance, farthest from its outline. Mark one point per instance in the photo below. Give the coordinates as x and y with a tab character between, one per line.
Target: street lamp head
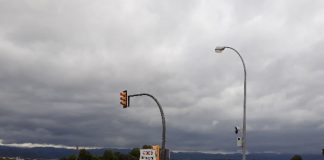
219	49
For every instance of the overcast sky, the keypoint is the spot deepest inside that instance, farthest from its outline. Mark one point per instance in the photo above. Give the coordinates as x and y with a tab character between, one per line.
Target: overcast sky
63	64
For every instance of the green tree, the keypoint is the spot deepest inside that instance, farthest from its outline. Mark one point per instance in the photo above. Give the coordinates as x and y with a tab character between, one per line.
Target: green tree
118	155
121	156
71	157
109	155
135	152
147	147
296	157
94	157
85	155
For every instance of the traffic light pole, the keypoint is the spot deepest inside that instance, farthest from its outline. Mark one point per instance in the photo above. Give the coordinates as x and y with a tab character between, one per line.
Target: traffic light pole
163	153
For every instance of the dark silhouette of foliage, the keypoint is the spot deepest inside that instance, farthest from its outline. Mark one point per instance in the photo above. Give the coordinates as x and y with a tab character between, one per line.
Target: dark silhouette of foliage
296	157
85	155
147	147
135	153
109	155
71	157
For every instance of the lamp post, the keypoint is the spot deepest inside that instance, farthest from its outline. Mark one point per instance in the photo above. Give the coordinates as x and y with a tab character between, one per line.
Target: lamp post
220	50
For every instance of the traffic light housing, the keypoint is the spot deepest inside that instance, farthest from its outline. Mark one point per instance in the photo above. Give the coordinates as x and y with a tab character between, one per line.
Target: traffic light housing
124	99
237	129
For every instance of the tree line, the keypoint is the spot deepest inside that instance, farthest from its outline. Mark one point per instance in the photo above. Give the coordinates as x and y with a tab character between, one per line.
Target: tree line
84	154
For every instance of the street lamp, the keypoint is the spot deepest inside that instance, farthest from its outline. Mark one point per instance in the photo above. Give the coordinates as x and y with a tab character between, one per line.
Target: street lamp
220	50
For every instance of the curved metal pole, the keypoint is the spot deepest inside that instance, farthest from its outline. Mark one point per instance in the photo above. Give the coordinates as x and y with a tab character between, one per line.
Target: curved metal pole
244	106
162	116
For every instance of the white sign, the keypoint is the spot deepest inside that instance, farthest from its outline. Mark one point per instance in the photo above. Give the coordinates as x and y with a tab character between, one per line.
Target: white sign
147	154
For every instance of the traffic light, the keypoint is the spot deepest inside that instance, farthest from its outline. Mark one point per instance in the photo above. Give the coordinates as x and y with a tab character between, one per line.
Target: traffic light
124	99
237	129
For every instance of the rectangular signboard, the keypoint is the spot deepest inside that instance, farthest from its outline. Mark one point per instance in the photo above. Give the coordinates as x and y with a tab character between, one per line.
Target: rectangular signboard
239	142
147	154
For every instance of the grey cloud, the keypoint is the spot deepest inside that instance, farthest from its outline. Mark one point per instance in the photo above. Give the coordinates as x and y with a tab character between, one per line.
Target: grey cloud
63	64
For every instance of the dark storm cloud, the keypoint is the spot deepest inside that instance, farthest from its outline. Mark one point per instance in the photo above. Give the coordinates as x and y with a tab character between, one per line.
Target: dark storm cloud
63	64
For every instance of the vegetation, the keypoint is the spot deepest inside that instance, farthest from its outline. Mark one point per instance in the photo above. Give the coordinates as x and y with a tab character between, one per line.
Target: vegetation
147	147
134	154
296	157
2	158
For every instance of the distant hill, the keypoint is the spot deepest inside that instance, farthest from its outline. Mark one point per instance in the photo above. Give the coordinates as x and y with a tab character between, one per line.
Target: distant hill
47	152
55	153
254	156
